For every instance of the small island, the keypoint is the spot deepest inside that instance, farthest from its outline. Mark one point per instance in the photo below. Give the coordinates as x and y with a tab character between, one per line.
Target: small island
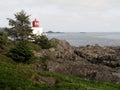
53	32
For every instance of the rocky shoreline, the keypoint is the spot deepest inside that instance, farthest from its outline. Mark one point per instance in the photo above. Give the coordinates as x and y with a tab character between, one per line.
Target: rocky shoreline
90	62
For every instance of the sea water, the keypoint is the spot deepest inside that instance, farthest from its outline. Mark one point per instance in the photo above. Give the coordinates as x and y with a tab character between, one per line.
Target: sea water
89	38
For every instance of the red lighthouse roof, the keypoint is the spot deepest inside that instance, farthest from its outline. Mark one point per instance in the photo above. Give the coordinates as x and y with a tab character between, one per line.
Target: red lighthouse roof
35	23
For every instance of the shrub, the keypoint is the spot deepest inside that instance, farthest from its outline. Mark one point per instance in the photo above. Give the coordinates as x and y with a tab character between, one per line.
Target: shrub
34	47
21	52
3	39
44	42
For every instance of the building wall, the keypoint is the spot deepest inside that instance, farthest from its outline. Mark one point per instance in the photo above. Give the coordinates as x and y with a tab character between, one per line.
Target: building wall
37	31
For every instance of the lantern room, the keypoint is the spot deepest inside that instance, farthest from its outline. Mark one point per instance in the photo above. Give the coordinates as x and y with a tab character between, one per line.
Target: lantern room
36	28
35	23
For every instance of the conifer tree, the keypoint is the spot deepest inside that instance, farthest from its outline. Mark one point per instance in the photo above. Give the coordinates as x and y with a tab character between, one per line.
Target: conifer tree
20	28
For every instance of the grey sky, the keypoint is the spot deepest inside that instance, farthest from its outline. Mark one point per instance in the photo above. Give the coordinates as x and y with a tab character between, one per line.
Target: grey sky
67	15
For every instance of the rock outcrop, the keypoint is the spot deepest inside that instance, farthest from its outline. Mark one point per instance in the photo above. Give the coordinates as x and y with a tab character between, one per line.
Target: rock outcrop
91	62
99	55
82	69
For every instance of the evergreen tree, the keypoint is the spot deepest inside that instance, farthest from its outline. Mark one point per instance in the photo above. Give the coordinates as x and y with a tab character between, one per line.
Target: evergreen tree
20	27
21	52
44	42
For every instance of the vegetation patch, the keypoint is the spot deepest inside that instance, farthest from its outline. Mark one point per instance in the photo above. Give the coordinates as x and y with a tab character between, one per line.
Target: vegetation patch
18	76
21	52
44	42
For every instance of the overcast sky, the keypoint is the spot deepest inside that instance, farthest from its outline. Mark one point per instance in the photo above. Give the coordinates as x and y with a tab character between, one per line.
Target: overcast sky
67	15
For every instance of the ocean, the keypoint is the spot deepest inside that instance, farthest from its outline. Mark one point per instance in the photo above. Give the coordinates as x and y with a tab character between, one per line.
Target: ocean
89	38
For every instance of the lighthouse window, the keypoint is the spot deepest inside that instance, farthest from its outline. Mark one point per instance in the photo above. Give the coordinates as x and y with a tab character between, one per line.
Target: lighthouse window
36	23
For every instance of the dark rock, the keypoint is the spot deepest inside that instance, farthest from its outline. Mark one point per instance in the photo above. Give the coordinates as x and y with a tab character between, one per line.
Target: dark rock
91	62
83	70
99	55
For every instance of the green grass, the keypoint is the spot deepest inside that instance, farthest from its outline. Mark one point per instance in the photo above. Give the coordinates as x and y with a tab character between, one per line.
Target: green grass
15	76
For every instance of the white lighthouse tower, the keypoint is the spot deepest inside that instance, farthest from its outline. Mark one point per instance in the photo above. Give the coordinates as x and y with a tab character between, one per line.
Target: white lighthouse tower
37	29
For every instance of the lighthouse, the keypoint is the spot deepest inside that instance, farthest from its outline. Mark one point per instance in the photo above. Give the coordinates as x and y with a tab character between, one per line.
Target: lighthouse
37	29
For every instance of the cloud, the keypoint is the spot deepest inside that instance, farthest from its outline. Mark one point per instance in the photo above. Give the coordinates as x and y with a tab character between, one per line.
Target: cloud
67	15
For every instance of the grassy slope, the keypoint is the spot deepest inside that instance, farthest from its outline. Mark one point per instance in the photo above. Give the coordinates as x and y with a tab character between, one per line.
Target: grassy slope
22	77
